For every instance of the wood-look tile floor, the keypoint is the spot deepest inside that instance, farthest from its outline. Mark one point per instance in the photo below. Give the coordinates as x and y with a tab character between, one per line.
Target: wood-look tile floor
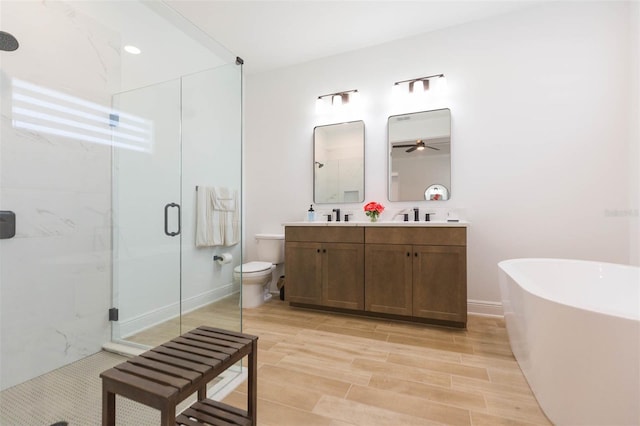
317	368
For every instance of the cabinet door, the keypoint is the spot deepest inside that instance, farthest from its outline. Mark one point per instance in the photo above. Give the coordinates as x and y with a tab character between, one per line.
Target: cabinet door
304	273
388	283
342	277
440	282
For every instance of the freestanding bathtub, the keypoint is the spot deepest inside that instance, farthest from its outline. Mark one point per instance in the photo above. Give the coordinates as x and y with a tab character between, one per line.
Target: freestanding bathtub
574	328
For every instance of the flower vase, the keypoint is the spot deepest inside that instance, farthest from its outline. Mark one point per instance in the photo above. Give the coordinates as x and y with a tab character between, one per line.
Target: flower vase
374	218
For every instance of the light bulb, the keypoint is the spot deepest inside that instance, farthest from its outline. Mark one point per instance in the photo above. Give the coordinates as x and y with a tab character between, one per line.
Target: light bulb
354	98
132	49
440	84
397	90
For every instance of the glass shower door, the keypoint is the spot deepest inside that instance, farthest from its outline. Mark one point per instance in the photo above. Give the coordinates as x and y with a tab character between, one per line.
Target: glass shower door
146	214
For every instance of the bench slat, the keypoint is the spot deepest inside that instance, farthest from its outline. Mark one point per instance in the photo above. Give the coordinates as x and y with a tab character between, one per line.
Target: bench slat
215	416
197	351
153	375
213	338
188	356
166	368
226	334
178	362
221	405
204	344
184	420
119	377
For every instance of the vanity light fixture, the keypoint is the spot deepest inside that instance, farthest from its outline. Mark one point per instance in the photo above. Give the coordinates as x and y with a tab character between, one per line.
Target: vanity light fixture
324	102
419	85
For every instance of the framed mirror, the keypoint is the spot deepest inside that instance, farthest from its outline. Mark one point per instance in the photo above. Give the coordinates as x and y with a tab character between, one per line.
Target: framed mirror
420	156
338	163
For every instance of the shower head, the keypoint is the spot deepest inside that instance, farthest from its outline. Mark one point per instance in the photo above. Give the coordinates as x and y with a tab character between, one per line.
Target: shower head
320	165
8	42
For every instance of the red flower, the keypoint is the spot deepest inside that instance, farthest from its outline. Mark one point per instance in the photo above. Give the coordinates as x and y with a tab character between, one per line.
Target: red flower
374	208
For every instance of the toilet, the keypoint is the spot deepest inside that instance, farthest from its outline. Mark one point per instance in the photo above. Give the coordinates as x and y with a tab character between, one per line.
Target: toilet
257	275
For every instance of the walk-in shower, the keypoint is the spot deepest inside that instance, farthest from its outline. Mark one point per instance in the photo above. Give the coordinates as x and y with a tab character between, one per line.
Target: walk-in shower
101	153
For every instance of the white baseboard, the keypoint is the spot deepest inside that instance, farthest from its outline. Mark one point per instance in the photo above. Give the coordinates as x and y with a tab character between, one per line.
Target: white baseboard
485	308
149	319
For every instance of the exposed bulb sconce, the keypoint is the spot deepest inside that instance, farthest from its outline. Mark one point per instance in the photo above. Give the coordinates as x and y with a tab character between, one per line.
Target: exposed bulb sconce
335	100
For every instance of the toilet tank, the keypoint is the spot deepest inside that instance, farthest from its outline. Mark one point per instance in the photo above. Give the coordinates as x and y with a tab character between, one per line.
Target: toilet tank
270	248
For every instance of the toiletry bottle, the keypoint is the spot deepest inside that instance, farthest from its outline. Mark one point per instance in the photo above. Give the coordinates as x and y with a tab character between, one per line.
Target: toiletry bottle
311	214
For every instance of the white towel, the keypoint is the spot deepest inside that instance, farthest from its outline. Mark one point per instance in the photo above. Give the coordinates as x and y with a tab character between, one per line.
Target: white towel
217	217
223	199
225	202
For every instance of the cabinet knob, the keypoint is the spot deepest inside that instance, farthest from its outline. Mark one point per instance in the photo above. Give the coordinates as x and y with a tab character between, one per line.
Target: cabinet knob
324	250
318	250
408	254
416	254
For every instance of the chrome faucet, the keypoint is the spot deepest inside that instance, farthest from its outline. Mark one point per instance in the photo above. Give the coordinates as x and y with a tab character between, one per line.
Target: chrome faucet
416	214
337	214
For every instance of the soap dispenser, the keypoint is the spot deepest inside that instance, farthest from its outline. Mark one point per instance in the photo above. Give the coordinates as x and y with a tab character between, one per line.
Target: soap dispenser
311	214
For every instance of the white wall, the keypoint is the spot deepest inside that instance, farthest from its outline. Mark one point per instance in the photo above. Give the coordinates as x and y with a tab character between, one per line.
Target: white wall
540	103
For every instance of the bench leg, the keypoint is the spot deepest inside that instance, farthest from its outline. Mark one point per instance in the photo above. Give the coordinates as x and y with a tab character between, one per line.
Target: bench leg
252	388
168	415
202	392
108	408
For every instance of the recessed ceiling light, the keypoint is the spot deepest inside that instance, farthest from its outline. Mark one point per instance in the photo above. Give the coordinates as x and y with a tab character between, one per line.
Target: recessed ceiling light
132	49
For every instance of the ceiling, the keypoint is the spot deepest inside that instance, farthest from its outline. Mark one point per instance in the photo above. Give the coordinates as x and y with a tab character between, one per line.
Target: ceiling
272	34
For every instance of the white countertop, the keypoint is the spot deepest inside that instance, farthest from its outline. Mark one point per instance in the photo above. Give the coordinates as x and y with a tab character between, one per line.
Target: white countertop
433	223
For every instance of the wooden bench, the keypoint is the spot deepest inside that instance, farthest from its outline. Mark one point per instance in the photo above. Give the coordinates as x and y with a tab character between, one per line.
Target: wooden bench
168	374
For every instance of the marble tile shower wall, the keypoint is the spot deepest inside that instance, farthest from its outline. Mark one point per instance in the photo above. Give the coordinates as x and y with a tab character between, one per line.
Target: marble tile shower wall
55	274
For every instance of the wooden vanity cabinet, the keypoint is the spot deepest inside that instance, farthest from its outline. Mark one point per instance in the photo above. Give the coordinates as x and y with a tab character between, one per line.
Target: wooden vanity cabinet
411	273
304	272
419	272
440	283
324	266
388	279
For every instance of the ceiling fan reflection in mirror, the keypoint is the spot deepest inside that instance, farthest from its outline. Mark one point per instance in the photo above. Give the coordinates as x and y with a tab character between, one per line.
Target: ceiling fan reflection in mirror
417	145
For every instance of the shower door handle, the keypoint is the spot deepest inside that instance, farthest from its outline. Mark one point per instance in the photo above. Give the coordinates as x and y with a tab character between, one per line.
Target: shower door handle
166	219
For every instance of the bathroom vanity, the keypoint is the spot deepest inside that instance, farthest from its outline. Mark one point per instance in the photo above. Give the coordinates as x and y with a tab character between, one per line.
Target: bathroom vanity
414	271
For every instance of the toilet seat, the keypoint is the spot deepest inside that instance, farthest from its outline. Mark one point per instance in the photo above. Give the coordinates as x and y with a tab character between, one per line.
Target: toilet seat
250	269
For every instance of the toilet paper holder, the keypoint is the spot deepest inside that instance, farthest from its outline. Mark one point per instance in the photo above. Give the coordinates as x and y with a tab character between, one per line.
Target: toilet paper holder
223	258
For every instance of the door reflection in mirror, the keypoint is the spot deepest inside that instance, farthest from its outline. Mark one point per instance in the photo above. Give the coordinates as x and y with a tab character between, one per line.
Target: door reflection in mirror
420	156
338	163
